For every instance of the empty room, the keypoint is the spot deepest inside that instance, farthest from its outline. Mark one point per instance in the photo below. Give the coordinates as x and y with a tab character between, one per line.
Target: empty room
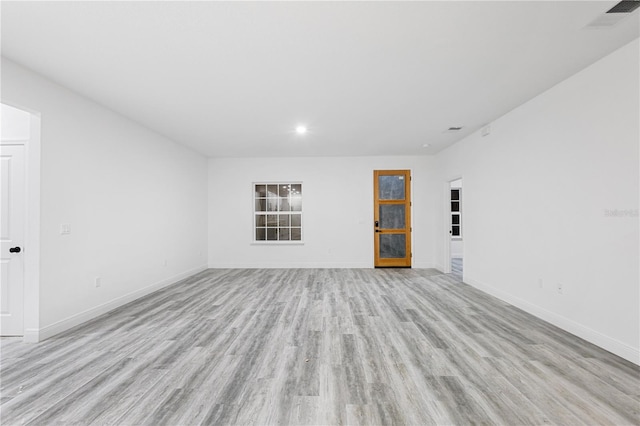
320	213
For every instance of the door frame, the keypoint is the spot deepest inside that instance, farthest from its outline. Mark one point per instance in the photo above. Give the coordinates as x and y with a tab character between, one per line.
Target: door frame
408	222
31	285
446	267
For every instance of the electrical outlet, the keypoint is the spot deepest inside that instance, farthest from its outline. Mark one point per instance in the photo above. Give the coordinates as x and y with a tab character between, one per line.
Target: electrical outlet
540	285
65	229
559	288
98	282
165	263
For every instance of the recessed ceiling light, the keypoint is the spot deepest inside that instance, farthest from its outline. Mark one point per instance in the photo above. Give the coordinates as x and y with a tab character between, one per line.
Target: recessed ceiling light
426	145
301	130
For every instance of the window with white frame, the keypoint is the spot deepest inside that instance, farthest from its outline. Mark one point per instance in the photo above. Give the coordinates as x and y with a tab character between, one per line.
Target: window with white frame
456	223
277	212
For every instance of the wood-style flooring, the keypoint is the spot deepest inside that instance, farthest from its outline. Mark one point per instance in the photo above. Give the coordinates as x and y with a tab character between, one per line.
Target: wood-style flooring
311	346
456	267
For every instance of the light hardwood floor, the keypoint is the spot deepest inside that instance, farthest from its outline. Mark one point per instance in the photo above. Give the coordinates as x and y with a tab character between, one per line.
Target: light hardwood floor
359	346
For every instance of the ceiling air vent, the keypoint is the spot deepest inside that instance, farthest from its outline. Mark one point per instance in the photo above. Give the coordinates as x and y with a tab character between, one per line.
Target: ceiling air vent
453	129
614	15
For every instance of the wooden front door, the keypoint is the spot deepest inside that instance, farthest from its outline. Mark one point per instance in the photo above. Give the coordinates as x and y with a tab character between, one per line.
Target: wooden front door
392	218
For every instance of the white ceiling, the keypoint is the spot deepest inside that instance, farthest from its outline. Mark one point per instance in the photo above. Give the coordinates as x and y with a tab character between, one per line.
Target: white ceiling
233	79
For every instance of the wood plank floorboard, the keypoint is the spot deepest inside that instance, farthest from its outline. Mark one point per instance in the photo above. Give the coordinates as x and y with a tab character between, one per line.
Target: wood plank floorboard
316	346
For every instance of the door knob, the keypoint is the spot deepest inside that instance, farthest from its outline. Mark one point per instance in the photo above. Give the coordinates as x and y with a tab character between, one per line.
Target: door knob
15	250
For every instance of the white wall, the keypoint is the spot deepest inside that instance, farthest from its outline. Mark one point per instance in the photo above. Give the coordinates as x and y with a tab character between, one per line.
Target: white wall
15	124
535	195
337	205
133	199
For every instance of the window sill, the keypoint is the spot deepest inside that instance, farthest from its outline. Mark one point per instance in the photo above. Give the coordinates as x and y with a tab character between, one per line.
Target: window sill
276	243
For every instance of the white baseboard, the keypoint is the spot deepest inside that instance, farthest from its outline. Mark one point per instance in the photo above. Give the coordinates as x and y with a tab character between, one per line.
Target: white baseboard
291	265
37	335
605	342
422	265
31	335
306	265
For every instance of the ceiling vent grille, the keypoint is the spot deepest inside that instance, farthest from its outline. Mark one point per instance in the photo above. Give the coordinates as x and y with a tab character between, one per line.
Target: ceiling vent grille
614	15
453	129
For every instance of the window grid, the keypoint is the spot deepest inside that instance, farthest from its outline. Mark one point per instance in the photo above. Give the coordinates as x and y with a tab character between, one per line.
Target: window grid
456	222
277	212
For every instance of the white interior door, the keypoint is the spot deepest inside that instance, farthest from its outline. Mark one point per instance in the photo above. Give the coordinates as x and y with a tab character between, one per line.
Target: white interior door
12	214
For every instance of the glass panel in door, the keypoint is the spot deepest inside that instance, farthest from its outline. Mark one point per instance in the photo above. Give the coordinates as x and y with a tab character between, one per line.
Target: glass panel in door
391	187
393	246
392	216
